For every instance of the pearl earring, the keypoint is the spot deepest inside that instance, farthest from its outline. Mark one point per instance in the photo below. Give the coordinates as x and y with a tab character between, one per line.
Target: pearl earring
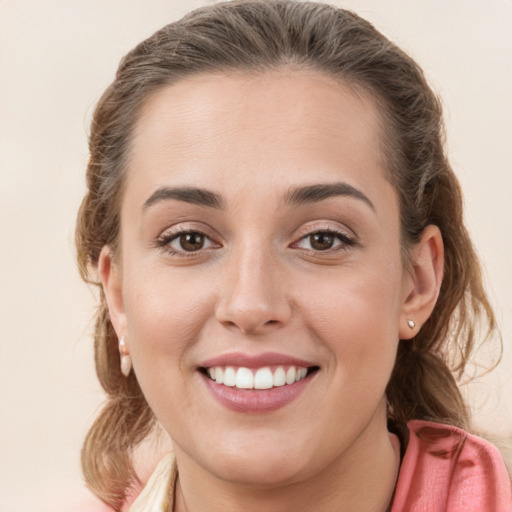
126	360
411	324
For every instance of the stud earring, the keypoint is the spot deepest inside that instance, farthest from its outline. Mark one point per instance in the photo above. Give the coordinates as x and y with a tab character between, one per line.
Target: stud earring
126	360
411	324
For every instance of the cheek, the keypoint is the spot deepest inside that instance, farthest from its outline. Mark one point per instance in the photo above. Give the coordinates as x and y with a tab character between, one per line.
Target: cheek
355	316
164	320
165	316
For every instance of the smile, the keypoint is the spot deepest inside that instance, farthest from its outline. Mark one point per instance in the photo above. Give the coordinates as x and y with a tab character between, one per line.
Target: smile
256	383
260	378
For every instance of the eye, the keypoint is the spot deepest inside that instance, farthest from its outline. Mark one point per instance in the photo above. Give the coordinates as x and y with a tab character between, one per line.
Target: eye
188	241
324	240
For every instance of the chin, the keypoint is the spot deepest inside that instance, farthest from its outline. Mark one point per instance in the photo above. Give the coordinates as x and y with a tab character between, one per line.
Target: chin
256	459
268	472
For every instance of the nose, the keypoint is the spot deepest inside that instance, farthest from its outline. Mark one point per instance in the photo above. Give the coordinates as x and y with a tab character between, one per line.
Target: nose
252	297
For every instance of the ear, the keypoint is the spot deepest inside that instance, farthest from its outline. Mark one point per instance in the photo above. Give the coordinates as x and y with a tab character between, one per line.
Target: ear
111	280
422	282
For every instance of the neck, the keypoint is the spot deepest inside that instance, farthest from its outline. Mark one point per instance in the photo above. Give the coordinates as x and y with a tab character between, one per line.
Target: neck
363	479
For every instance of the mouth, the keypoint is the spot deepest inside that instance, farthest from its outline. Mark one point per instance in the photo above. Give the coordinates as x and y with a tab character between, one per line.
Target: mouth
266	377
256	384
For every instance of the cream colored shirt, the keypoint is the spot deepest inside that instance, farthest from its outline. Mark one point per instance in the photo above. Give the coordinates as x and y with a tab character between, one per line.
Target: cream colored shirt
159	490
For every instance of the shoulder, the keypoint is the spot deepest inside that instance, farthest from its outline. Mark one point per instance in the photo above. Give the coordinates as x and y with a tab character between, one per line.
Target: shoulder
448	469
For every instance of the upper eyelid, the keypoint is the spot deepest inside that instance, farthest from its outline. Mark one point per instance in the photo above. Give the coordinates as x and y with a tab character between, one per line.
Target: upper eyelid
329	228
189	227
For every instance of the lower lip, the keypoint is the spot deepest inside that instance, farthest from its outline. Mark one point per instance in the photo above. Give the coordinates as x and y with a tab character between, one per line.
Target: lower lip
256	400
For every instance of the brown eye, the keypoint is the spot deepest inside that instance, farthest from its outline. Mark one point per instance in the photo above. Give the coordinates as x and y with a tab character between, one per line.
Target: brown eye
322	241
186	243
325	241
191	241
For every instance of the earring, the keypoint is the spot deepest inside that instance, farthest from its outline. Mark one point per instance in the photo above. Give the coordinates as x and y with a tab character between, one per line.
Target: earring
126	360
411	324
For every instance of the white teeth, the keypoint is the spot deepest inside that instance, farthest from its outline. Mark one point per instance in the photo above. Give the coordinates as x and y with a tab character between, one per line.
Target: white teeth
263	379
290	375
229	376
244	378
279	377
301	373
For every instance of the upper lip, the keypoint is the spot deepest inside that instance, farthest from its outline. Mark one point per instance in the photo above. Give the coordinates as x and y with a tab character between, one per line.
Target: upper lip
255	360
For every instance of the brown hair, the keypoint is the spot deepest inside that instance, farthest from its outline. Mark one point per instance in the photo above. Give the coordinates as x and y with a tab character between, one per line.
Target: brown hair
256	36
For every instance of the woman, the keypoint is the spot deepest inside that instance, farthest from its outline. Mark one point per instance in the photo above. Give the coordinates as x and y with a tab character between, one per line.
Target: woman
287	286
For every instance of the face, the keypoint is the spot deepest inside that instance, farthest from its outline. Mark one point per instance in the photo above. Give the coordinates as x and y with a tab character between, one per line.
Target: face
260	247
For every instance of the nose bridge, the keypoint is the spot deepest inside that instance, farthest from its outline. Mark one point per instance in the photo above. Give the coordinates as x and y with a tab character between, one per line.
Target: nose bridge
252	295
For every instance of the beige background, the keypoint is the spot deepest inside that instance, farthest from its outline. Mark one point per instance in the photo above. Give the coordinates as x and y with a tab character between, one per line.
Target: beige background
56	56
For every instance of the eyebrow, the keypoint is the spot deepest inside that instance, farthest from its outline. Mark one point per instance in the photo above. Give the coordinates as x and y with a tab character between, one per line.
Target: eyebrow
314	193
193	195
295	196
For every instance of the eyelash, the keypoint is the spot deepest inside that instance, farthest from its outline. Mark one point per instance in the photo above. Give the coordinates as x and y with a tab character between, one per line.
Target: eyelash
165	240
346	240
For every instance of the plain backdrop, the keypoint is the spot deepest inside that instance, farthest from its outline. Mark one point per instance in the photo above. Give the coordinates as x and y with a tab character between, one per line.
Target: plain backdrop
56	57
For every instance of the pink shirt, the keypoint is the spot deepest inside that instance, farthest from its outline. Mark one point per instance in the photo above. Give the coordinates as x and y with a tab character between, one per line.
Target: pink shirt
445	469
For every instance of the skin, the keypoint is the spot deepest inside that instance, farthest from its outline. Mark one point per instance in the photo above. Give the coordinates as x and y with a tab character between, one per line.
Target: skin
258	285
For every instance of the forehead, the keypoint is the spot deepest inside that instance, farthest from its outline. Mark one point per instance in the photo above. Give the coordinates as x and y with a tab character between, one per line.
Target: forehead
284	125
